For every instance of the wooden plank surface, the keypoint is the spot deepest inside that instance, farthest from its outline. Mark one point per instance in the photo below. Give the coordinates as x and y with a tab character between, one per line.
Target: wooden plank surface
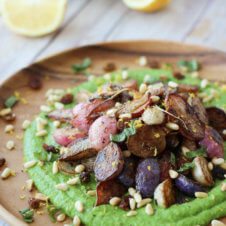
89	21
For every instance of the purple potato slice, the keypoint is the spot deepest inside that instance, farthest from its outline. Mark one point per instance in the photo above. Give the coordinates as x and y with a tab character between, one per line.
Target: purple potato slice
127	176
188	186
147	177
109	163
219	172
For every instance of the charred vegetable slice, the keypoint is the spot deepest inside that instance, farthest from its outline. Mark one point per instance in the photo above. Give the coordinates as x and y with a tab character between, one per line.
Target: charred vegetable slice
108	189
79	149
109	162
188	186
217	117
185	88
64	115
147	142
127	176
165	165
199	109
201	172
185	116
213	143
164	194
147	177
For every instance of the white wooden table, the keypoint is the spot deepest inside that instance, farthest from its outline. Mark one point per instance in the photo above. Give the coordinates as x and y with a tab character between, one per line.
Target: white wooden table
89	21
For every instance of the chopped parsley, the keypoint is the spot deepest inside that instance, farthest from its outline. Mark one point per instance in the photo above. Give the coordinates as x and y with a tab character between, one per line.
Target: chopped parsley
27	215
193	154
191	65
82	66
11	101
186	166
127	132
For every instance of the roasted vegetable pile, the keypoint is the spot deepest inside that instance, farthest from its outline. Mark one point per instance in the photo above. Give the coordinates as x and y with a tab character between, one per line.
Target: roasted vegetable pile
157	138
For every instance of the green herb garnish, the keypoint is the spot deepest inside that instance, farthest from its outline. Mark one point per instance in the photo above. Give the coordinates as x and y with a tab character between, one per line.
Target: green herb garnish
193	154
83	66
11	101
186	166
27	215
191	65
52	210
172	159
124	134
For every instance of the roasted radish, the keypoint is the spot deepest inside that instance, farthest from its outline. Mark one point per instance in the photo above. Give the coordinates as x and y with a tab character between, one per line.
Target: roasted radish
147	177
100	131
201	172
164	194
109	162
64	136
213	143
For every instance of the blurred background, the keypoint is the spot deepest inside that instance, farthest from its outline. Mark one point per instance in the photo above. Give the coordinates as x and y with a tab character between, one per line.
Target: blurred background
90	21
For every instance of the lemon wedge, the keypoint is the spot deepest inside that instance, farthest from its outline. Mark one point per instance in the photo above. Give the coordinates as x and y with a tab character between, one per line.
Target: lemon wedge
146	5
33	18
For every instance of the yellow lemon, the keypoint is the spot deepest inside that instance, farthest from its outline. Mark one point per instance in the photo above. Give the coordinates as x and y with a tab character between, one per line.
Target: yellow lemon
33	17
146	5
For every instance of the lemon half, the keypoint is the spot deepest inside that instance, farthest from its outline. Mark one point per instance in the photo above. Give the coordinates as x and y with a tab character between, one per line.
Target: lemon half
146	5
33	17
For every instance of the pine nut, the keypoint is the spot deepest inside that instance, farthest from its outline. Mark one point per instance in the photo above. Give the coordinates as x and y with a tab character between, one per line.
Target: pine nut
58	105
185	150
223	186
76	221
61	217
224	132
7	172
26	124
30	164
200	194
204	83
91	77
40	123
143	202
172	84
79	168
137	197
125	116
131	213
118	105
223	165
132	203
217	161
45	108
142	61
126	153
149	209
210	166
55	167
155	99
143	88
9	128
10	145
79	206
132	191
29	184
172	126
125	74
41	197
5	111
173	174
41	133
61	187
115	201
111	112
73	181
91	192
217	223
56	124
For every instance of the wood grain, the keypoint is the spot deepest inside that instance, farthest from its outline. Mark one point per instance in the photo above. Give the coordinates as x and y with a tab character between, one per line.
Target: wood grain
55	72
